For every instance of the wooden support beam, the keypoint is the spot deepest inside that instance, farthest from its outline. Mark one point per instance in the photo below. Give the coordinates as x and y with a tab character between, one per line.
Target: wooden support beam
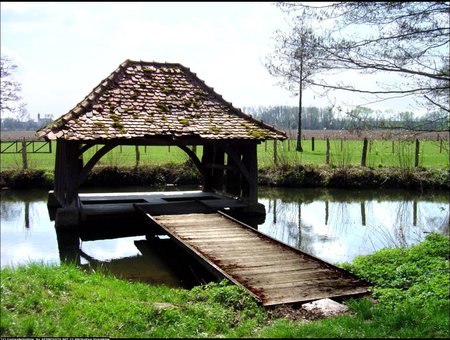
94	159
193	156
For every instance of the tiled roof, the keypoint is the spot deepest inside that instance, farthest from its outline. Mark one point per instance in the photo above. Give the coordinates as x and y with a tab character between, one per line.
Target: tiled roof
142	99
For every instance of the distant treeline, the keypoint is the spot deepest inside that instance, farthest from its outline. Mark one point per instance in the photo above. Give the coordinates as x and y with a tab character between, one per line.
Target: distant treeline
13	124
315	118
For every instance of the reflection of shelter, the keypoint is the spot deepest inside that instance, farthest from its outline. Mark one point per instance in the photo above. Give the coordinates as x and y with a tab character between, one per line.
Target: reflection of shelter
149	103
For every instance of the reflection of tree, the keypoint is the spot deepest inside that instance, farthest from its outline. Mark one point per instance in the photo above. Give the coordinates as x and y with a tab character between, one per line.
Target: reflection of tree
363	213
27	215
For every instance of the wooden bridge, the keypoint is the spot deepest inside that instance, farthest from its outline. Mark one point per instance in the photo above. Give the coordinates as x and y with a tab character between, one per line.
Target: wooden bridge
273	272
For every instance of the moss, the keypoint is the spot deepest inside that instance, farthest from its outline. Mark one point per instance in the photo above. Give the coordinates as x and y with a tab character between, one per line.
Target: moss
188	102
114	117
162	107
164	117
200	93
258	133
183	121
149	120
214	129
135	116
99	124
196	115
117	125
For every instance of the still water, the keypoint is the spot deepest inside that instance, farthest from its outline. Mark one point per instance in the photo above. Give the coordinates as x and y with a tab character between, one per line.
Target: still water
334	225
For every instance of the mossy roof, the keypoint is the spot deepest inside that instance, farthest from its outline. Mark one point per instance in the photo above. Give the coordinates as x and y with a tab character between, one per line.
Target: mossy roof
150	99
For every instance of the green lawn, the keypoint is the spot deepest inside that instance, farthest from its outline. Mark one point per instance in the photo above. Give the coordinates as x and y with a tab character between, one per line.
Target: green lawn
410	287
342	153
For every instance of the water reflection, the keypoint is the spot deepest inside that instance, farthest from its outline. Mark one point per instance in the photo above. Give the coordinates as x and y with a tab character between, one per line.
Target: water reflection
334	225
337	225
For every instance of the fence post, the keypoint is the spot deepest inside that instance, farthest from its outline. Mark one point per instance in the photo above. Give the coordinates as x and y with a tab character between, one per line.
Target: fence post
416	157
312	143
393	149
275	158
138	155
440	145
328	152
24	155
364	152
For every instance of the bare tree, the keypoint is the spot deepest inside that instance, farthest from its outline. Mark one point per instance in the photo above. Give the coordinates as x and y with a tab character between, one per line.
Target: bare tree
295	61
11	99
410	39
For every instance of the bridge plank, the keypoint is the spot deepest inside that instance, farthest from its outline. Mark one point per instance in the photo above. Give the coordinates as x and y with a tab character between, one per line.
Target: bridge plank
272	271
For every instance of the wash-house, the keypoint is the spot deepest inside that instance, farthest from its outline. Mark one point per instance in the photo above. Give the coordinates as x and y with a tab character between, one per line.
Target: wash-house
152	103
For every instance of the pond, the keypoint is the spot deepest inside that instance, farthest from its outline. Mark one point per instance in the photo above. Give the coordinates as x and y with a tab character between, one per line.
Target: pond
333	225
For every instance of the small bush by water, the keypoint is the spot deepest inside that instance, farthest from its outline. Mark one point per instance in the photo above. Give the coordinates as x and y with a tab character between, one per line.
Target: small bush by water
410	288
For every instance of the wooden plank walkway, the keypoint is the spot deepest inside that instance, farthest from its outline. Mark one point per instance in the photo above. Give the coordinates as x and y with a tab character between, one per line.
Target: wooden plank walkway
274	272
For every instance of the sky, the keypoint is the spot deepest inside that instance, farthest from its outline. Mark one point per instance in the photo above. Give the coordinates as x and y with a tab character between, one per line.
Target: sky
65	49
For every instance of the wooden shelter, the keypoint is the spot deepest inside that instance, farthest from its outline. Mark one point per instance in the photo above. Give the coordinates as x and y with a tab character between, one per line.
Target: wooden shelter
151	103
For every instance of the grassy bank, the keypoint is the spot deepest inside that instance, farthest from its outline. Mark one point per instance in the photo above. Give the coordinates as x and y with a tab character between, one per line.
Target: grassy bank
410	288
283	176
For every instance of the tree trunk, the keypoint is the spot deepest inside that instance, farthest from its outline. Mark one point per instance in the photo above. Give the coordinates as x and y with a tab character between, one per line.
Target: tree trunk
299	132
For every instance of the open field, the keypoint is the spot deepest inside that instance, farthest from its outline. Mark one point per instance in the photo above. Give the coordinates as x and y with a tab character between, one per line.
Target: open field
345	150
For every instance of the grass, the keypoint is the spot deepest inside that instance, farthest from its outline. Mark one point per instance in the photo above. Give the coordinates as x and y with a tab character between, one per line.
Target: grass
343	153
348	153
410	287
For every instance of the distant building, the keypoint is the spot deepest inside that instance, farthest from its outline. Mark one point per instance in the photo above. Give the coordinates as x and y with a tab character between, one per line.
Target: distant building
44	119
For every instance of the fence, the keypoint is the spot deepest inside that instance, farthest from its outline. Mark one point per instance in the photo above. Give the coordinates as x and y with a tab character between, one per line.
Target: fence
316	151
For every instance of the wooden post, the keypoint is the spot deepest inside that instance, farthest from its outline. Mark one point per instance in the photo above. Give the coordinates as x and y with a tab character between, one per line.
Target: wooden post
207	158
312	143
289	144
24	155
265	145
393	149
326	212
416	158
440	145
138	155
250	187
342	144
275	157
328	152
364	152
217	170
168	148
